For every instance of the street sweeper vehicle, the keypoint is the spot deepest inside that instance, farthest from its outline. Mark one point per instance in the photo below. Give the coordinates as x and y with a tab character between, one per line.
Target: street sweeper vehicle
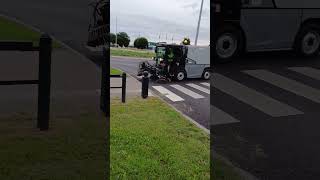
178	62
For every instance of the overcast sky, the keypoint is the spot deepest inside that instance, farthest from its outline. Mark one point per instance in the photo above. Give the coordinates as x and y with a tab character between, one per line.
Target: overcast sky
168	18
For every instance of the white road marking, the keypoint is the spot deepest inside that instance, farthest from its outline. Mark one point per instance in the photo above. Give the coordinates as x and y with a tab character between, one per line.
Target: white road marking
187	91
251	97
308	71
205	90
218	117
206	84
287	84
170	95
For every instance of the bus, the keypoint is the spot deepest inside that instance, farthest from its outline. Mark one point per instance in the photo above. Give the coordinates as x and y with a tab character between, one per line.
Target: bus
265	25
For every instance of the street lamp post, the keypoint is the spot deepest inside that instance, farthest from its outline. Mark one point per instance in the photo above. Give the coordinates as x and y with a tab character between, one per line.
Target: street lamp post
196	41
116	31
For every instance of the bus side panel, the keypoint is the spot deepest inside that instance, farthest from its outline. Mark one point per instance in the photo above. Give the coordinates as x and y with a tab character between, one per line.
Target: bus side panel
270	29
311	14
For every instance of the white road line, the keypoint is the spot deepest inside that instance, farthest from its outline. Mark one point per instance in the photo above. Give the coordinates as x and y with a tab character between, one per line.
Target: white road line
218	117
308	71
187	91
287	84
206	84
251	97
173	97
205	90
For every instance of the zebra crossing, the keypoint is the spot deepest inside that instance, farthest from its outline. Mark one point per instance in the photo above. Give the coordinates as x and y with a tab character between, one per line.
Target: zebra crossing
262	102
271	106
196	91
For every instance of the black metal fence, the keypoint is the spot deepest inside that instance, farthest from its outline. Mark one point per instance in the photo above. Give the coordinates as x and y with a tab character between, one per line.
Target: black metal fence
44	81
123	87
105	83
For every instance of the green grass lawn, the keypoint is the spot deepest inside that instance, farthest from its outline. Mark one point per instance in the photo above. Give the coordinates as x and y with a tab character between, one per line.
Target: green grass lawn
149	140
131	53
74	148
11	31
114	71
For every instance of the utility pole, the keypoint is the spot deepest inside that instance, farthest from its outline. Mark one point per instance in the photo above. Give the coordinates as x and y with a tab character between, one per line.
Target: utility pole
116	31
196	41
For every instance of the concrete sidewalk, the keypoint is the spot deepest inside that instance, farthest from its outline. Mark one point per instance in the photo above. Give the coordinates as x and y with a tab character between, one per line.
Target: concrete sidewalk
75	83
133	87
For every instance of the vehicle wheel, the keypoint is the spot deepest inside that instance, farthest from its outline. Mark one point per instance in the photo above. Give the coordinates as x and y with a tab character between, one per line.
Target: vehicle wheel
206	74
228	44
181	75
307	42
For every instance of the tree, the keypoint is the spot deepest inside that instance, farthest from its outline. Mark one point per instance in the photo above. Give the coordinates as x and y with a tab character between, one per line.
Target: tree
141	43
186	41
112	38
123	39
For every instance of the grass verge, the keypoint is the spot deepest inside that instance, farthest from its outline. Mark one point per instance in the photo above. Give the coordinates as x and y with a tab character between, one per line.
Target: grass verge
74	148
149	140
11	31
114	71
131	53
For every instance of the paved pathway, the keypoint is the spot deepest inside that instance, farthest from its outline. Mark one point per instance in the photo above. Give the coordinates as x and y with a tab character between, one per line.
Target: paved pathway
75	82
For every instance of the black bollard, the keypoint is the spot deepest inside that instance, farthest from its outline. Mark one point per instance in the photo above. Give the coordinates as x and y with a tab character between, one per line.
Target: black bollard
145	85
124	87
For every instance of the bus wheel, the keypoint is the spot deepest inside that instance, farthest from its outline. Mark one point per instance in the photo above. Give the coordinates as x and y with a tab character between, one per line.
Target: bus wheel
308	41
228	43
206	74
181	75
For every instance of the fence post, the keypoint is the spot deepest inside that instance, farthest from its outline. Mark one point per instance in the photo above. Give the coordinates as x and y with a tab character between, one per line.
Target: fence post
45	48
104	83
124	86
145	85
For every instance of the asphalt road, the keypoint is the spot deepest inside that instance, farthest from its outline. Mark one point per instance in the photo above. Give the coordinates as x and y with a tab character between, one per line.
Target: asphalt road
266	115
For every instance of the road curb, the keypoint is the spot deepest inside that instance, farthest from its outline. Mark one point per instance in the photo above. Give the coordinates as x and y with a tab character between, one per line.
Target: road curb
184	115
246	175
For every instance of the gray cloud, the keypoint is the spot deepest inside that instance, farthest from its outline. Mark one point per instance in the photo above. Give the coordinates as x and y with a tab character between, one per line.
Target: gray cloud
171	18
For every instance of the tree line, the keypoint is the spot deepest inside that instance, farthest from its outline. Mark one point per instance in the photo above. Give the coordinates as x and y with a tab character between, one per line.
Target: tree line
123	40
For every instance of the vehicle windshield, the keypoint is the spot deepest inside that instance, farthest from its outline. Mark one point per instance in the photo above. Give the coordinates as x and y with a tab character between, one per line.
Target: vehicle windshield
161	51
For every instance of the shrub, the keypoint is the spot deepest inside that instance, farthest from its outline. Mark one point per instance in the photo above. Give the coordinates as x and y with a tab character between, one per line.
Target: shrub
141	43
123	39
